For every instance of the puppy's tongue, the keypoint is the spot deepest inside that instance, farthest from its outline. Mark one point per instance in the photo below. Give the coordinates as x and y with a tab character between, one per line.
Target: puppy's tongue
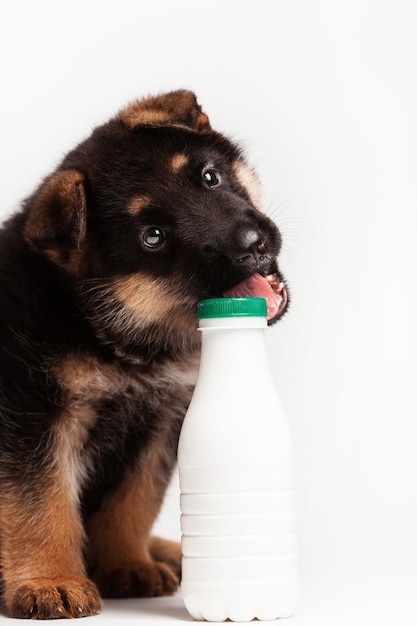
259	287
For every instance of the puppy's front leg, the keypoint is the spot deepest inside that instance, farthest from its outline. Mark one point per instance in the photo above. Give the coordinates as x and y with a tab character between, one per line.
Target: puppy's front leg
41	553
125	561
41	532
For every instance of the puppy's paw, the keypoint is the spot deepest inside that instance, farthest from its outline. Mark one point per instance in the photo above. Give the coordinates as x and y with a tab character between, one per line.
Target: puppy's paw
140	580
52	599
168	552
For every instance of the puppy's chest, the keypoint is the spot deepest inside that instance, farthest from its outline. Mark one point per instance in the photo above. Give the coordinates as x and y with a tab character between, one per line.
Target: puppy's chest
93	391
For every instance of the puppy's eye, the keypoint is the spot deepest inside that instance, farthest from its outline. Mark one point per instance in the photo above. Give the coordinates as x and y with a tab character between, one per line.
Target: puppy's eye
153	237
211	178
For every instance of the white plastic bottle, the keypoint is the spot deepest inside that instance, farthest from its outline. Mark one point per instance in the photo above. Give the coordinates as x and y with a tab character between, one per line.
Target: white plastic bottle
236	467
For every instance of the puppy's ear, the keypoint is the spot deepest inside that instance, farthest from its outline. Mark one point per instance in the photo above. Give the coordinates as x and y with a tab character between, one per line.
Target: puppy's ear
57	214
175	107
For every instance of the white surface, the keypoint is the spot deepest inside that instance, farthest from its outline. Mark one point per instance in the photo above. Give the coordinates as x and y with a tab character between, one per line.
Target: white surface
323	95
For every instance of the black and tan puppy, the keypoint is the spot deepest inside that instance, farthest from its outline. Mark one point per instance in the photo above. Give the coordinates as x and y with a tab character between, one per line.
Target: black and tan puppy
100	275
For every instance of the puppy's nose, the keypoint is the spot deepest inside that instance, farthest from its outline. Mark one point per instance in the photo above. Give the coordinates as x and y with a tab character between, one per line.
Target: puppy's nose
252	245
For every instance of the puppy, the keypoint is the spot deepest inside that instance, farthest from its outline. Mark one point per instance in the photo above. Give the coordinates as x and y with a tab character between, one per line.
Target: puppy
100	275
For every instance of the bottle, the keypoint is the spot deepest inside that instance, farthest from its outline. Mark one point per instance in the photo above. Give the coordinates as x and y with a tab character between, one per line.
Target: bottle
237	479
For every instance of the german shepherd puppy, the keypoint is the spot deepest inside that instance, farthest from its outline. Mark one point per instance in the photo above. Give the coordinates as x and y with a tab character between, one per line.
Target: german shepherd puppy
100	275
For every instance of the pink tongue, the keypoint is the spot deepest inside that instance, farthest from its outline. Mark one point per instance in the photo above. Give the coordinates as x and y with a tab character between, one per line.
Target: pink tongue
256	286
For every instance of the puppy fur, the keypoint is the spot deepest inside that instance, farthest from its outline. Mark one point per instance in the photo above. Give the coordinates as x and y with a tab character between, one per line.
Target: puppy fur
100	274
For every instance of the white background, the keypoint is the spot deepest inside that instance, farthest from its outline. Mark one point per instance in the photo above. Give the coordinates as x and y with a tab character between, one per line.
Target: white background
323	96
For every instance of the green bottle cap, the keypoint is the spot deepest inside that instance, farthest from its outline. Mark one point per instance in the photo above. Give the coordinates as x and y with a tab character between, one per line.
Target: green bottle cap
232	307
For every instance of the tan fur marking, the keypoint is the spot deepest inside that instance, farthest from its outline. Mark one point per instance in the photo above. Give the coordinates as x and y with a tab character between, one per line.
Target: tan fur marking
250	182
134	116
203	122
58	212
77	262
39	543
168	552
179	161
144	296
119	533
74	261
177	107
71	432
138	203
84	379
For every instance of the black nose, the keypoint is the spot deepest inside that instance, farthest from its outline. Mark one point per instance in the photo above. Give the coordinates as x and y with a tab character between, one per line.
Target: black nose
251	246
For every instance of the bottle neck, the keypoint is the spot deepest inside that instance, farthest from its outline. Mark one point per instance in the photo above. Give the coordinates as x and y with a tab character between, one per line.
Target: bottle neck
222	323
233	348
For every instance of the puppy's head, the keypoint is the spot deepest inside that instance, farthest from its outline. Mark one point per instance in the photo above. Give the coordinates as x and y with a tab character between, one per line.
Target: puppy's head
152	213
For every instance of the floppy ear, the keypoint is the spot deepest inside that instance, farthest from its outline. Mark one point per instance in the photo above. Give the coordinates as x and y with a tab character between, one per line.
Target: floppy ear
173	108
57	214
